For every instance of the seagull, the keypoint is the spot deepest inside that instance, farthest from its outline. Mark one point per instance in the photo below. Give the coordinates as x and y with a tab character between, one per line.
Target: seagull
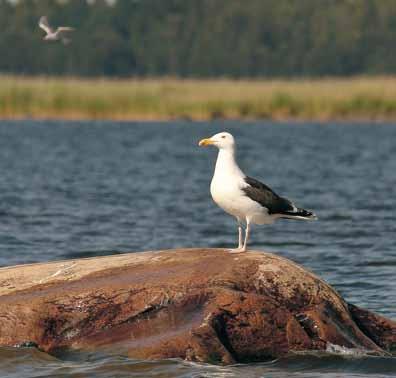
54	35
248	200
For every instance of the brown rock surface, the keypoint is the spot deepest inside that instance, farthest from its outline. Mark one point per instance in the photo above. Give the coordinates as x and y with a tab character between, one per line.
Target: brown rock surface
198	304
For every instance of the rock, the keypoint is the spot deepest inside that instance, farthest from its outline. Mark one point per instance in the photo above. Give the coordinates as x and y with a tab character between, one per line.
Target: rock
198	304
376	327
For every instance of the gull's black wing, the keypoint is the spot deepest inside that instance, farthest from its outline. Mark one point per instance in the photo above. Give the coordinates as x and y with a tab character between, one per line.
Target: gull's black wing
266	197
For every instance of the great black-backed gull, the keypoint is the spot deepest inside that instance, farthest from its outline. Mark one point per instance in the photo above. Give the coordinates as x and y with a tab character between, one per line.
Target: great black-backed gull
55	35
247	199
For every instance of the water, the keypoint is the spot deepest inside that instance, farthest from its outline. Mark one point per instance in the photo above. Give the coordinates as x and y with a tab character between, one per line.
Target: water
81	189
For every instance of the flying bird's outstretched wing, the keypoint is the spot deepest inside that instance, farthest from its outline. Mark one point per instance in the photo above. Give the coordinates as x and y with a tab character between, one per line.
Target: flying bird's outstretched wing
62	33
43	23
63	29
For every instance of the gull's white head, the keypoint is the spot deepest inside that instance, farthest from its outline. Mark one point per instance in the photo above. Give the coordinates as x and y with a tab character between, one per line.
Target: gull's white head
223	141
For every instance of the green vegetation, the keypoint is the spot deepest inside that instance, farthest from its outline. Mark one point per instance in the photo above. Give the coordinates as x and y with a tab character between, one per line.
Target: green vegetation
202	38
155	99
211	49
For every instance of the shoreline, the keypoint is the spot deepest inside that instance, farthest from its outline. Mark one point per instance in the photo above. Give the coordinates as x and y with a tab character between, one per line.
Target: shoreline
356	99
144	119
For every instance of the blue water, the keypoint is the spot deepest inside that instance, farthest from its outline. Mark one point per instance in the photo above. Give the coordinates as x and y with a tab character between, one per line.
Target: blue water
81	189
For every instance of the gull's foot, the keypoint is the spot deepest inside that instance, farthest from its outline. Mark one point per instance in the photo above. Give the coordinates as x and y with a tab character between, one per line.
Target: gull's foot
237	250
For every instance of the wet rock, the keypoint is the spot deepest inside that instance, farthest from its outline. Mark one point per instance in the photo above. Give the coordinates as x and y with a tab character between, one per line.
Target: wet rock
376	327
197	304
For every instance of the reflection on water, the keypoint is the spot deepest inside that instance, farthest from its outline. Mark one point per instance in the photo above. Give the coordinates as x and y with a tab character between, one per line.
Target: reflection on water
86	189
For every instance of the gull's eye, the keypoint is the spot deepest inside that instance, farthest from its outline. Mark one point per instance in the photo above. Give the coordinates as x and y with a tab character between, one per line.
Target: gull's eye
223	136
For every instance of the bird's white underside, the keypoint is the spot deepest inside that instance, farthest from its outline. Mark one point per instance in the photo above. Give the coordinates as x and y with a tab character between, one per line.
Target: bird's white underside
226	190
232	200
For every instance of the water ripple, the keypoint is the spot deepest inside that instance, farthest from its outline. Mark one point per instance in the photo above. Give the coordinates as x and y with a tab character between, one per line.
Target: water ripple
83	189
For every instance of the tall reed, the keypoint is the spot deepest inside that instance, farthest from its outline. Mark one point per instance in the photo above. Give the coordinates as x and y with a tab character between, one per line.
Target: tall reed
361	98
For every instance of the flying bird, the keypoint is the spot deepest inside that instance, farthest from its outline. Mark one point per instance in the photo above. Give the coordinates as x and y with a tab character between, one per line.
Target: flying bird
248	200
60	34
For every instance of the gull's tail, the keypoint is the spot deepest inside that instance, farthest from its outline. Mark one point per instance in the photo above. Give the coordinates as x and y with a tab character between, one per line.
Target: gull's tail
299	214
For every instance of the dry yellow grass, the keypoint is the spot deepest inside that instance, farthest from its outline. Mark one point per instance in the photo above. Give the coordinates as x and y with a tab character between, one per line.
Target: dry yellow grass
168	98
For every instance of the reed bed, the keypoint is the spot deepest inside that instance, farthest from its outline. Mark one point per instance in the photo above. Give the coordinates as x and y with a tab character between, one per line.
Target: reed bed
358	98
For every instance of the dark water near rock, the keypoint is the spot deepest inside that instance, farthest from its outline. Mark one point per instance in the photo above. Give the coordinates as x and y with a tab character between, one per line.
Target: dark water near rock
70	190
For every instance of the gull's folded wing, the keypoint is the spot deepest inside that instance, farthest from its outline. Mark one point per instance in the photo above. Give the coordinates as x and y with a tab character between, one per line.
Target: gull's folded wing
266	197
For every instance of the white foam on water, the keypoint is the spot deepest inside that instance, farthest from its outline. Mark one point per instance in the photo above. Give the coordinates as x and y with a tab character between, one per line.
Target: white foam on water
344	351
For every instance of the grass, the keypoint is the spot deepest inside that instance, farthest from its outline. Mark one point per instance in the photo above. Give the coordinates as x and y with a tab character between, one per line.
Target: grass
359	98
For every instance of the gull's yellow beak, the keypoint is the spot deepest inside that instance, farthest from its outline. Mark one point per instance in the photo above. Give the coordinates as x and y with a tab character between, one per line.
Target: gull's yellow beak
205	142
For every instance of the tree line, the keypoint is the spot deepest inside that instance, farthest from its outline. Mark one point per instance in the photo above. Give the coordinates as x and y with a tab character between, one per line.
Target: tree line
201	38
